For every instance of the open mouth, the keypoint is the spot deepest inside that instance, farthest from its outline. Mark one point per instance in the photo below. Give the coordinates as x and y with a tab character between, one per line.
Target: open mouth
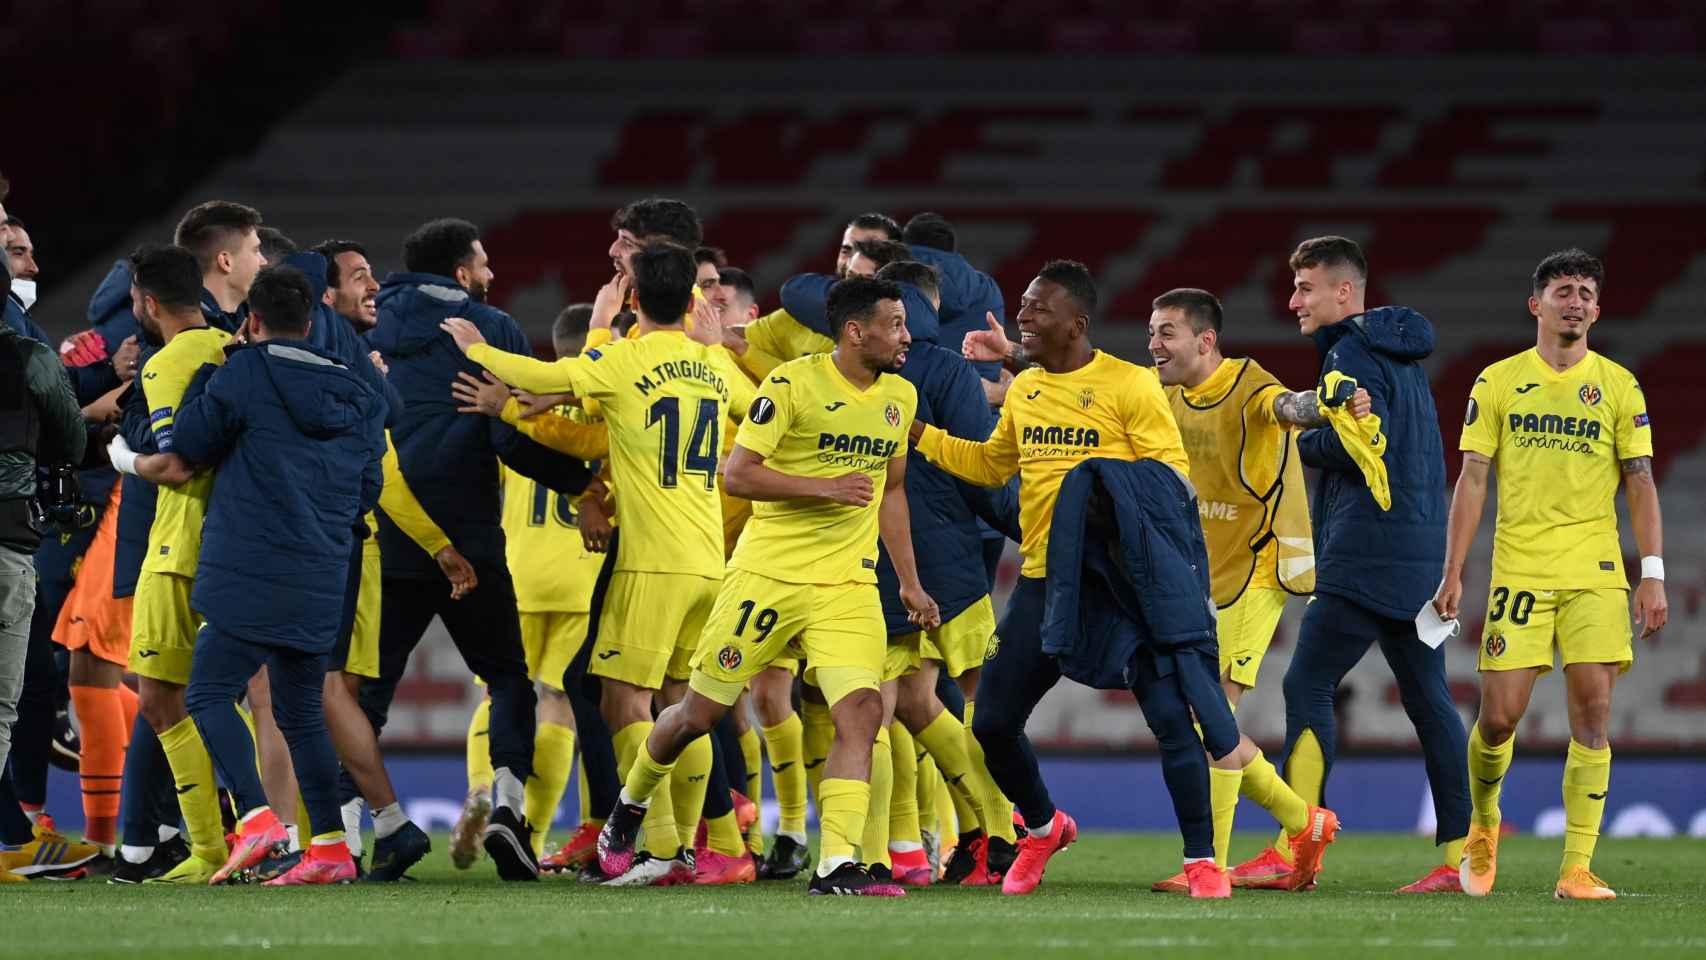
1161	360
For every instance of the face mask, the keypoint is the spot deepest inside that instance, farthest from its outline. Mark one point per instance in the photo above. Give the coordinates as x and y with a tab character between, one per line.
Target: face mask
25	291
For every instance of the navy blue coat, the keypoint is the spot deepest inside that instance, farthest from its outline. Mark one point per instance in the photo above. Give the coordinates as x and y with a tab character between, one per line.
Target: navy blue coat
297	440
806	298
1387	561
1128	573
947	543
338	337
968	295
451	459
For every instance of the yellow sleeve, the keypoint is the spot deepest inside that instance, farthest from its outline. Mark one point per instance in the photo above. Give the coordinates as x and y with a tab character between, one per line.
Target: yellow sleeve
768	419
1634	431
582	375
776	338
399	503
598	338
987	464
741	390
583	441
1259	412
1149	424
1482	421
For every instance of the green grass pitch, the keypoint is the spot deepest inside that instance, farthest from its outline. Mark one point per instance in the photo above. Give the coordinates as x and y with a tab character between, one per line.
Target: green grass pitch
1094	902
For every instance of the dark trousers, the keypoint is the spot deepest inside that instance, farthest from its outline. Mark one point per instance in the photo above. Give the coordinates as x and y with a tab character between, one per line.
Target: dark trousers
1014	681
219	677
728	768
32	733
1334	636
486	629
146	798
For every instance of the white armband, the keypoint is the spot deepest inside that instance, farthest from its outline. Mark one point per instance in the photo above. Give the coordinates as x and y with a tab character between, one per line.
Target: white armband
1652	568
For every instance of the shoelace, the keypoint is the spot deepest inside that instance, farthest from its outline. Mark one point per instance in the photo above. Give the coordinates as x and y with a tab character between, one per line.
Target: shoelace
1480	855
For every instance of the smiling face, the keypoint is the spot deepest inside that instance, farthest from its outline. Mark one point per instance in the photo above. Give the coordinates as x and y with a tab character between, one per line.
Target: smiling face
1049	319
849	237
1182	355
21	254
882	338
1321	296
243	261
1566	309
353	297
475	274
710	287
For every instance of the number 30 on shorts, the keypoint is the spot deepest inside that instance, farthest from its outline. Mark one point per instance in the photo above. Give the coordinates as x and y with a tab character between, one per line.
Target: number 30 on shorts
1521	605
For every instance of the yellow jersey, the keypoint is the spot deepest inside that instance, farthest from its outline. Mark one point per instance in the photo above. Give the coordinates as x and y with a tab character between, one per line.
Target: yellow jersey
810	421
174	541
1051	423
552	569
776	338
663	398
1556	439
399	503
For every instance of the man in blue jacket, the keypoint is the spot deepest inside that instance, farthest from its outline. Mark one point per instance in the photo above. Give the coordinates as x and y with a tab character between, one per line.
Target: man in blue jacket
968	294
297	441
451	462
1374	566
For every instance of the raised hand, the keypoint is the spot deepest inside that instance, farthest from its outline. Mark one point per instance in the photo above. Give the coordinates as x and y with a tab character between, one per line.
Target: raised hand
986	345
485	394
463	332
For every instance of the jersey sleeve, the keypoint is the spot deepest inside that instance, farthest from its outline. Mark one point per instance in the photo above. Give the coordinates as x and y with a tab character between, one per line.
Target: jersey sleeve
1259	409
400	504
163	390
582	375
1482	420
988	463
768	418
742	391
586	441
1150	426
1634	428
765	348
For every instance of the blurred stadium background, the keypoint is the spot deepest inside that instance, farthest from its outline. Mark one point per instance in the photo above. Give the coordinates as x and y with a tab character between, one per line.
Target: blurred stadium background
1163	142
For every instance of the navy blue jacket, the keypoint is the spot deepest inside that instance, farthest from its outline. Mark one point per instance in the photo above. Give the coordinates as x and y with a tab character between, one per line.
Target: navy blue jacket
110	316
20	320
451	459
968	294
1387	561
947	543
297	441
1128	574
338	337
806	298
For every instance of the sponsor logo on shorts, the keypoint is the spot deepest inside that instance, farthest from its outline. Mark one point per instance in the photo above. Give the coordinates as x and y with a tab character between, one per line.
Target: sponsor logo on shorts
1243	661
990	648
729	657
148	653
1495	645
1589	394
1607	565
606	655
891	413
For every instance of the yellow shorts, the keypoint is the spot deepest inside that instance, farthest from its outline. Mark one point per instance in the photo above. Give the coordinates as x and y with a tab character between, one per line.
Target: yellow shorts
650	626
901	657
1245	629
163	628
363	659
759	621
550	639
1585	626
961	643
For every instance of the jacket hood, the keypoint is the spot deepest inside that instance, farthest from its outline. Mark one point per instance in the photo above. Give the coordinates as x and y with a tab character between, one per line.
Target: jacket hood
412	305
323	397
1395	331
313	266
109	309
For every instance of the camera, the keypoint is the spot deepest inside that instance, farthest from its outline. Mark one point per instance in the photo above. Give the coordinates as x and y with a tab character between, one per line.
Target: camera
59	500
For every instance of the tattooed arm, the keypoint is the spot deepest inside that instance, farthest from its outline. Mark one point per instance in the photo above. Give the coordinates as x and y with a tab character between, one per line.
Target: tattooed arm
1302	410
1641	492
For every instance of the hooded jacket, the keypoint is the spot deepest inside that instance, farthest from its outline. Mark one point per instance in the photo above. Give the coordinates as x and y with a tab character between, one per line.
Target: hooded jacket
335	335
296	441
968	294
1387	561
451	459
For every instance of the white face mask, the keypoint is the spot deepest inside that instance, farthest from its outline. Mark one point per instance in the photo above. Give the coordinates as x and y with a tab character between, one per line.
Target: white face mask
26	291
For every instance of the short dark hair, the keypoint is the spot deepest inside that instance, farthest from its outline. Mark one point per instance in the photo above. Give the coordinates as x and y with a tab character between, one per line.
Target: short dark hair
169	274
283	299
330	250
1574	262
1200	307
926	278
663	280
1330	252
711	255
1075	278
571	325
440	246
882	252
739	279
12	221
210	227
930	230
275	246
877	221
854	298
660	217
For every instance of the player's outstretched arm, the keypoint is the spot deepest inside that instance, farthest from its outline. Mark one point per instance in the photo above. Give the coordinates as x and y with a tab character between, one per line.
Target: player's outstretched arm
988	463
746	475
1642	493
528	373
894	526
1467	502
983	346
1301	410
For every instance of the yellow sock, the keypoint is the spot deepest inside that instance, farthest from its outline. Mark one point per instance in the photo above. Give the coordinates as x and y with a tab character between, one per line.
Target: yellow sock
1223	801
254	735
994	809
722	834
1261	782
752	753
303	822
788	775
874	842
198	794
1587	778
1487	766
660	839
479	748
1454	851
844	803
687	787
553	758
947	826
927	783
817	732
585	795
903	797
947	741
1306	774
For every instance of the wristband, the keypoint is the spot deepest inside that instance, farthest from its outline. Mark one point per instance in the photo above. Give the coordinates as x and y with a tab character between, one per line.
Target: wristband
123	459
1653	568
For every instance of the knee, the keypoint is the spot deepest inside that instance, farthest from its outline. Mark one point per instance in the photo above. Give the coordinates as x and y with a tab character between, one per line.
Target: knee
198	699
857	716
991	723
1496	727
914	707
163	711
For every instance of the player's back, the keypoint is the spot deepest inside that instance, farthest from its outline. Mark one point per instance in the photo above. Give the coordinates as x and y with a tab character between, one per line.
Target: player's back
174	538
548	561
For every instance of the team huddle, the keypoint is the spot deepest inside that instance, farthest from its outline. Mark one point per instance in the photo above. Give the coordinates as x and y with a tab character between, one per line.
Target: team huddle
702	540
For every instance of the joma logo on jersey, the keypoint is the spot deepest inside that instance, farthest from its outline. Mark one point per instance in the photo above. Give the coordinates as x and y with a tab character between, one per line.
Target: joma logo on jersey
1063	436
1585	427
853	443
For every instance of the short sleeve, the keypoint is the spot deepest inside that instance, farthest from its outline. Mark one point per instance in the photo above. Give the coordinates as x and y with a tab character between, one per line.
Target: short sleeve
769	417
1482	420
1634	428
